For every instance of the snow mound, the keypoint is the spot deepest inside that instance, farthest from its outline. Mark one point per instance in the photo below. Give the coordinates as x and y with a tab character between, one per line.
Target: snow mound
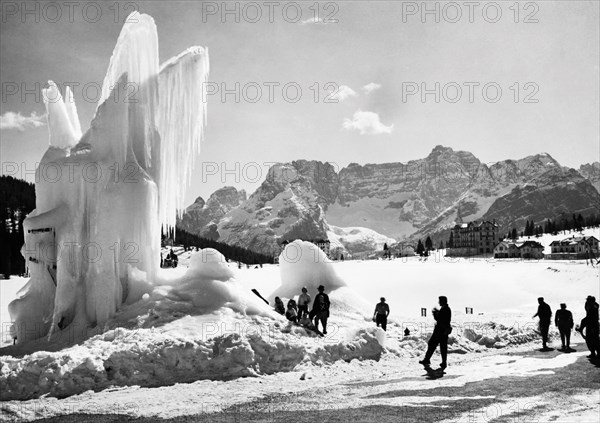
209	284
494	335
303	264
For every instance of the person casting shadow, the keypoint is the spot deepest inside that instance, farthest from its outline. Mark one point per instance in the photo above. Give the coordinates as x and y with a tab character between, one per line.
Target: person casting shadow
544	312
564	322
442	329
382	311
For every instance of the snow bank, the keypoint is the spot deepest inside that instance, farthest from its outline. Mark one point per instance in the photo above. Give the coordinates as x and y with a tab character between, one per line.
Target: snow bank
149	358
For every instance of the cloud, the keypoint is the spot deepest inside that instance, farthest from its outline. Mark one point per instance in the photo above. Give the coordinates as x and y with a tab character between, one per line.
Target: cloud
367	123
12	120
343	92
370	87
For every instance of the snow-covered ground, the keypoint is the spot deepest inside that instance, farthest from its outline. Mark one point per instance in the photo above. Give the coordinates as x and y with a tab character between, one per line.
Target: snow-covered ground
180	342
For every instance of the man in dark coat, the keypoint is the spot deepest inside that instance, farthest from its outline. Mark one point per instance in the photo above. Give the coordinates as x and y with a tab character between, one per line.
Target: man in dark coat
564	322
320	309
440	333
382	311
592	327
545	314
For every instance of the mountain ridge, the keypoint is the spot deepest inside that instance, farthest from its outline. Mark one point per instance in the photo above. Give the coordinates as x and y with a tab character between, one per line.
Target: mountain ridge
309	199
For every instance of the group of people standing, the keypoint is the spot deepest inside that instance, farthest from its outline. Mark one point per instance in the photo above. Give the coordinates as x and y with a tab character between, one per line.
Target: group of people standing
564	322
297	312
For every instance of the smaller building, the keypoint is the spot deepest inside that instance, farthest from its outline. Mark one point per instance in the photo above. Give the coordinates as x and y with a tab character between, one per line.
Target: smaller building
581	247
523	250
531	250
506	249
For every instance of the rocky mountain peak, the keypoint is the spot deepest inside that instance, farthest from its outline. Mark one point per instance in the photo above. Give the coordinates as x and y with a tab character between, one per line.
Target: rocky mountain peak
306	198
228	196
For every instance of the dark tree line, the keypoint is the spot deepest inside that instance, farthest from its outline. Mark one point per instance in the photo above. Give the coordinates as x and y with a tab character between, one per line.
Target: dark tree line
553	226
424	249
231	252
17	199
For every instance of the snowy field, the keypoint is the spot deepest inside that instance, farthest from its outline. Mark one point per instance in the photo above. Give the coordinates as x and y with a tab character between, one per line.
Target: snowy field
201	332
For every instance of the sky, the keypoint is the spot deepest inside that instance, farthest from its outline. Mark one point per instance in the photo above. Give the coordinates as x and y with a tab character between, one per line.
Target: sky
365	82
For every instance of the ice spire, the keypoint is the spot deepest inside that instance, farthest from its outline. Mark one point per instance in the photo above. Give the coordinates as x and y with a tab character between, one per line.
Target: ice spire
63	124
136	54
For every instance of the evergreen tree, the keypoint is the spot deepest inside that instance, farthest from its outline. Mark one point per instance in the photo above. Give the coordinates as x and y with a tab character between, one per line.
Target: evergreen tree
420	248
428	244
441	247
513	233
450	241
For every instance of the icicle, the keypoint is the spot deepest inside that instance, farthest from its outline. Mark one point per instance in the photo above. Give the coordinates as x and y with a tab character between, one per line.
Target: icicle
62	133
181	119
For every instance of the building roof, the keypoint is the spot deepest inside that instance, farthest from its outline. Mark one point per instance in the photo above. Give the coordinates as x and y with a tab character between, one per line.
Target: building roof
575	240
532	244
509	244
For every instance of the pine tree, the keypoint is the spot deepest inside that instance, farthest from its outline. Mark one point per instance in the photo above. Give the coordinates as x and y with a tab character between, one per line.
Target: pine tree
513	234
441	247
451	241
428	244
420	248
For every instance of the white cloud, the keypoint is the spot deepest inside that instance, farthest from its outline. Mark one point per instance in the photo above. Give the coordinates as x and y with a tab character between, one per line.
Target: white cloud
367	123
370	87
12	120
343	92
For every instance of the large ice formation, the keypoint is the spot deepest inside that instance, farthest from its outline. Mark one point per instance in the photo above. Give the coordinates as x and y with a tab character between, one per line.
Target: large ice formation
101	198
303	264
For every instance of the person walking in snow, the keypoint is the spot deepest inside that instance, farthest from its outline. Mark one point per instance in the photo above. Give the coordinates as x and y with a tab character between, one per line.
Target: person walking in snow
303	302
382	311
564	322
320	309
442	329
592	327
544	312
279	307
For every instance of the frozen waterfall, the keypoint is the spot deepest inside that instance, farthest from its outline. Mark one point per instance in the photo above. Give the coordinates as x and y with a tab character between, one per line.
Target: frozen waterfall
101	198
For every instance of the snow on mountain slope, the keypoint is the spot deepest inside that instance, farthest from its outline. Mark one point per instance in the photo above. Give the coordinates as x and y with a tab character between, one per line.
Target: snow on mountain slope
357	240
380	215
